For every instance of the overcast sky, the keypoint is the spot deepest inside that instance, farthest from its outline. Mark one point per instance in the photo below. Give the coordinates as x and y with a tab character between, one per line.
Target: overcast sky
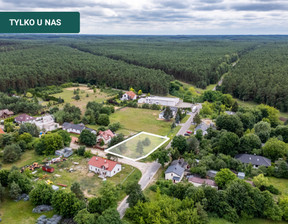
167	16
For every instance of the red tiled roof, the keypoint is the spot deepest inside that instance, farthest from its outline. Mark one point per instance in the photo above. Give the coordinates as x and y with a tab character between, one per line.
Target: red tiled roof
131	94
106	134
1	131
202	181
24	117
100	162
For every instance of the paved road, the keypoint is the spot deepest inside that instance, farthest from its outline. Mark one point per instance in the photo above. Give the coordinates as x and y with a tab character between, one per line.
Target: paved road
185	127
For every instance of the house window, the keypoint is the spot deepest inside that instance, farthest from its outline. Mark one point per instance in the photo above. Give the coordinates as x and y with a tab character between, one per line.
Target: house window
171	174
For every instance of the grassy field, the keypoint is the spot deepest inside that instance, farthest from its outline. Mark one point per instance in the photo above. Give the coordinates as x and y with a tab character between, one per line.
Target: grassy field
27	158
19	212
98	96
244	221
129	148
136	119
280	184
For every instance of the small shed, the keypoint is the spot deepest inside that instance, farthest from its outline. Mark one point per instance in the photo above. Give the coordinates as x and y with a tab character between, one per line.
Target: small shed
48	169
55	188
211	173
241	175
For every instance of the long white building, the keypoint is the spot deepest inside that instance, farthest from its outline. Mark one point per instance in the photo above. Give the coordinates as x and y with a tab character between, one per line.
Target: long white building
159	100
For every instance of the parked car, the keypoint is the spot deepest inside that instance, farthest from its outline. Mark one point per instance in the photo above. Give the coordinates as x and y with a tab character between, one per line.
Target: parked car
189	132
186	134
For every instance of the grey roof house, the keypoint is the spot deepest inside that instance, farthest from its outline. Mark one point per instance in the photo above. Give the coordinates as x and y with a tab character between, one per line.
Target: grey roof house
254	160
202	127
76	128
175	173
66	152
181	162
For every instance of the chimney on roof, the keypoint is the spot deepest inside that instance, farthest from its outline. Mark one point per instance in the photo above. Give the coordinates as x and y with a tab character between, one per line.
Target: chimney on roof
96	158
105	161
250	158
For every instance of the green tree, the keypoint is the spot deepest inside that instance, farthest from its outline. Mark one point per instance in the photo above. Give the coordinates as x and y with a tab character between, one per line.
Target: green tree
235	106
109	195
87	138
65	203
48	144
84	217
197	119
114	127
14	191
75	188
27	137
140	147
283	131
228	143
109	216
179	142
41	194
94	205
29	128
263	130
283	203
230	123
4	177
224	177
275	149
2	192
103	120
249	142
135	194
193	144
81	150
162	155
21	180
65	137
168	113
260	180
77	97
11	153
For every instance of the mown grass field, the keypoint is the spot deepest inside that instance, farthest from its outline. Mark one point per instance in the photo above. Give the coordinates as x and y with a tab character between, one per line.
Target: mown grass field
129	147
280	183
136	119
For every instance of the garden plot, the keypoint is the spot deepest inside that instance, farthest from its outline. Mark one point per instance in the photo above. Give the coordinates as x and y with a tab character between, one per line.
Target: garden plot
138	147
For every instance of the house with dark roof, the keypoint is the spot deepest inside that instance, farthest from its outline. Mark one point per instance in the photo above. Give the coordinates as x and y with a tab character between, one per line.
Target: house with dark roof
203	126
174	112
104	167
24	118
255	160
181	162
175	173
5	113
66	152
76	128
130	95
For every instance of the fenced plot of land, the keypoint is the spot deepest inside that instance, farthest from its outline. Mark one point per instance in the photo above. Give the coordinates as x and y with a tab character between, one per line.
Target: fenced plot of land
138	147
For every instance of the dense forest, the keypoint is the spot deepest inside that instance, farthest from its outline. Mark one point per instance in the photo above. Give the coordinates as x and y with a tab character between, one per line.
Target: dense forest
261	75
149	63
51	64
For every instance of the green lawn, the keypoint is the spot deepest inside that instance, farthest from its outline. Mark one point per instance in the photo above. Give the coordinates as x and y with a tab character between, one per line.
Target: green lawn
136	120
129	148
27	158
244	221
19	212
281	184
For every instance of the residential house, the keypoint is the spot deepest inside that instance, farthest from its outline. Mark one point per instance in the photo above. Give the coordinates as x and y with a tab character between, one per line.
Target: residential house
211	173
46	123
196	181
24	118
105	136
5	113
1	131
130	95
104	167
174	112
66	152
159	100
181	162
174	172
255	160
76	128
203	126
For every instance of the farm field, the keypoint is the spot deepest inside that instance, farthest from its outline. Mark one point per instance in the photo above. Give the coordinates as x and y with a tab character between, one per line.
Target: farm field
136	119
68	94
138	146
